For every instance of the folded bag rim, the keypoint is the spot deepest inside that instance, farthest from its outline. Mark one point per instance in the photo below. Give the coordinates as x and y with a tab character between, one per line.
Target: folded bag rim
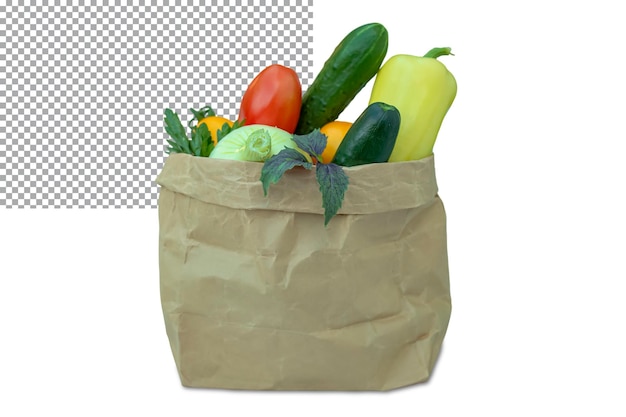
236	184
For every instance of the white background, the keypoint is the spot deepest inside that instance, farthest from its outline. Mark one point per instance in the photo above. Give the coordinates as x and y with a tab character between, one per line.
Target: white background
530	165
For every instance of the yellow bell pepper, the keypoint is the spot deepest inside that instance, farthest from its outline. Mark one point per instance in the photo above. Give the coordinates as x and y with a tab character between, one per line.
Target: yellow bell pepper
423	90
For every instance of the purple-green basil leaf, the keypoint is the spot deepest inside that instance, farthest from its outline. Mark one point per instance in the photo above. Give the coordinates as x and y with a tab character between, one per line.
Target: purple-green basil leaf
274	168
333	183
312	143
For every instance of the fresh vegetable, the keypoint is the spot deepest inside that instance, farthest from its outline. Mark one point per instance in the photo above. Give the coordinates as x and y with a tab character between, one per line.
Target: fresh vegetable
371	138
423	90
254	143
273	98
200	143
335	132
331	178
352	64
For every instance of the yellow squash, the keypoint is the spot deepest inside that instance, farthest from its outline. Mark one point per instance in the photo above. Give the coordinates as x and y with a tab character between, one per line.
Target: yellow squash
423	90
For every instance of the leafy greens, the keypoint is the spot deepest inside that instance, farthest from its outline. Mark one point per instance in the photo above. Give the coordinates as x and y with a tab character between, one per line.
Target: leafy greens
332	180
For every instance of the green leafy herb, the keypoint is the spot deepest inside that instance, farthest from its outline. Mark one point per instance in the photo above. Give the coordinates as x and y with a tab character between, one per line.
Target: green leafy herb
174	128
332	180
274	168
226	129
200	114
313	143
333	183
200	143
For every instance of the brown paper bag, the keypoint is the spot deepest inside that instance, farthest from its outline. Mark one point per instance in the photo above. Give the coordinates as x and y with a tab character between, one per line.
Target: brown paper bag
258	294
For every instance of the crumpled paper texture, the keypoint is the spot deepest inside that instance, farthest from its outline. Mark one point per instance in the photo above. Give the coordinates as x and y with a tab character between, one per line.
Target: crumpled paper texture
258	294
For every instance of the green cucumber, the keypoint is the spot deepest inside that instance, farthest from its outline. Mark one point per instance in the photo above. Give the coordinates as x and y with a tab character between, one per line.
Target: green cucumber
353	63
371	137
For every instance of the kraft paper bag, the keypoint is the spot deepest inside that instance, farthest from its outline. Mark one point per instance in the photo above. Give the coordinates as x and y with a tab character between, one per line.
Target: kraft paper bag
258	294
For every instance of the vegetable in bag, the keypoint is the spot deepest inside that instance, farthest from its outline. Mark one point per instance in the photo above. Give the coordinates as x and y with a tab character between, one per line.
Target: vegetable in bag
423	90
254	143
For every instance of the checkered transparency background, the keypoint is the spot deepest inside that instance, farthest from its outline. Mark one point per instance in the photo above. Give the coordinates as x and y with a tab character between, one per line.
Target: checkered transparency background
83	88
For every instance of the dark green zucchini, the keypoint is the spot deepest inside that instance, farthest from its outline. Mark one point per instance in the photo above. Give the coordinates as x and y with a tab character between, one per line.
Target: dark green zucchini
371	137
353	63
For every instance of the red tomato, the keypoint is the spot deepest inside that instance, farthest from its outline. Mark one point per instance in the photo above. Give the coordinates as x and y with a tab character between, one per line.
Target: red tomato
273	98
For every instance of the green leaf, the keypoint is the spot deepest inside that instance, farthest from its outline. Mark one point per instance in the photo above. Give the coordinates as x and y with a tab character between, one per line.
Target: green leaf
173	148
333	183
175	129
200	114
274	168
226	129
195	143
312	143
207	144
173	126
201	143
